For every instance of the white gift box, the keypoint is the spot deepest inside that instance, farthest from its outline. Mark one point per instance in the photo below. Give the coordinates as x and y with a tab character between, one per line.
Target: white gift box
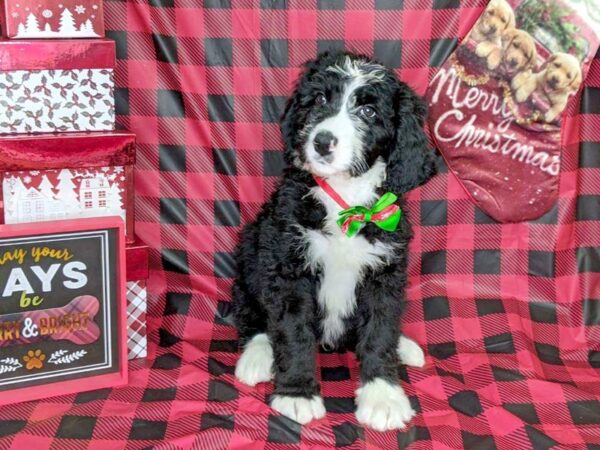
56	86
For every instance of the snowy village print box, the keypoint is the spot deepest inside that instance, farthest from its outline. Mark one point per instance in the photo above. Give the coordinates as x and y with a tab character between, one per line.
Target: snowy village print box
56	86
52	19
67	176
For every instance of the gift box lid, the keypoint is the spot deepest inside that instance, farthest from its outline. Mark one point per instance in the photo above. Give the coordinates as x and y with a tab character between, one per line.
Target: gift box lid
66	54
58	151
136	259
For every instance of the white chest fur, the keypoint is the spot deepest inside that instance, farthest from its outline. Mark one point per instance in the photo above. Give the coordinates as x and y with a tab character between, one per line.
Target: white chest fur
343	260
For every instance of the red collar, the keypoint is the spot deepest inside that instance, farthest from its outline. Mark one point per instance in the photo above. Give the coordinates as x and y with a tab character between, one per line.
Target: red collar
331	192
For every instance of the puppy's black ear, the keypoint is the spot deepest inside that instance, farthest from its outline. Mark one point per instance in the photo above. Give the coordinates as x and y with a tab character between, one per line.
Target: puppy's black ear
294	115
411	163
289	128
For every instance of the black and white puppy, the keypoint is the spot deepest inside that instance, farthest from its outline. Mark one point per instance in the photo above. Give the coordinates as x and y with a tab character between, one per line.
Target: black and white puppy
301	281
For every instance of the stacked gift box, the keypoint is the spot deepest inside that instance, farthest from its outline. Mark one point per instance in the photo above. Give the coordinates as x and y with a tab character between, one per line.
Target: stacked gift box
60	157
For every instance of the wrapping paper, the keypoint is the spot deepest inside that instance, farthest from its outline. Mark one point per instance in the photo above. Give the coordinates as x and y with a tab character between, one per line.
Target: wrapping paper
63	54
136	260
56	87
137	335
35	196
34	19
49	177
507	313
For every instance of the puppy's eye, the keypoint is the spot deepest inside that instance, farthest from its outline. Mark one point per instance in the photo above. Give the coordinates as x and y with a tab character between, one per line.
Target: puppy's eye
569	76
321	100
557	65
367	112
516	45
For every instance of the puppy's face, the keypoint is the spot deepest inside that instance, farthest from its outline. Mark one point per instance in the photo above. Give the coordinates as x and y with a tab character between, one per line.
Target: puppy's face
342	115
562	74
497	18
519	50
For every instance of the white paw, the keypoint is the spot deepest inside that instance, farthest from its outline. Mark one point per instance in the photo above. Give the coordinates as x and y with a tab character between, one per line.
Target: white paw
256	363
300	409
410	353
383	406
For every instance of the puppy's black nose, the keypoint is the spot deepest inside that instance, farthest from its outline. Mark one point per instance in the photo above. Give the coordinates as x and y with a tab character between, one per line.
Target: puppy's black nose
323	142
493	29
513	62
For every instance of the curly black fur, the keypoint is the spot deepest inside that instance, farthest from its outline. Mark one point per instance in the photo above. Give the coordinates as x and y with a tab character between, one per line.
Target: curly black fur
275	291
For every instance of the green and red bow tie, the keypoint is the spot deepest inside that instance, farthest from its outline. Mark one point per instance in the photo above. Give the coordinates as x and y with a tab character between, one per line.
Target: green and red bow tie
384	213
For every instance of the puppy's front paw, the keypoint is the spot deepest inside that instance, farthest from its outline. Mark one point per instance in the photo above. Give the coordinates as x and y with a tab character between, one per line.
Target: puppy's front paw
550	116
300	409
383	406
493	59
521	95
256	363
483	49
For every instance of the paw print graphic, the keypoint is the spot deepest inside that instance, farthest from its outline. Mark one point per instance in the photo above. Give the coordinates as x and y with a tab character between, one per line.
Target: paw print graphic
34	360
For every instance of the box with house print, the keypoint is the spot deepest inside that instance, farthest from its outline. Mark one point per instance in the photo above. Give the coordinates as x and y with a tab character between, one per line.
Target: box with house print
56	86
67	176
44	19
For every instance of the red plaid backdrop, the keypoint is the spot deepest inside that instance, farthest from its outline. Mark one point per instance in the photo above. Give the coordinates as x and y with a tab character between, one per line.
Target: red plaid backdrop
509	314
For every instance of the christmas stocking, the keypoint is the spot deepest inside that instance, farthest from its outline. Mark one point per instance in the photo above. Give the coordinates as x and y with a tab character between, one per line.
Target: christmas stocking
495	106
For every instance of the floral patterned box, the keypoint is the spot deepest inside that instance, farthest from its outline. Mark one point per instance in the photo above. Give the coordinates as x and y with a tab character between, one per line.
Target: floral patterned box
56	86
67	176
43	19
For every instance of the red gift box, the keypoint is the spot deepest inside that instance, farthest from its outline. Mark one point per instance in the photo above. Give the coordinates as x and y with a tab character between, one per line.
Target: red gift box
50	177
136	260
42	19
136	257
57	86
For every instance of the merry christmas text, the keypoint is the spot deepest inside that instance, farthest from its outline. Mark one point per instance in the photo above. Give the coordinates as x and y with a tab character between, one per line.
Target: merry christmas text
461	124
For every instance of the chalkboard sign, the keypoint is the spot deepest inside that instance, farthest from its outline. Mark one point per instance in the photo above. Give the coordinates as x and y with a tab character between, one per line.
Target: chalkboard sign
62	323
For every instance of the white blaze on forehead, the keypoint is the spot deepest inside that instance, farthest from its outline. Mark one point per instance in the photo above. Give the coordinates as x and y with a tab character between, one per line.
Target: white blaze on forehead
359	68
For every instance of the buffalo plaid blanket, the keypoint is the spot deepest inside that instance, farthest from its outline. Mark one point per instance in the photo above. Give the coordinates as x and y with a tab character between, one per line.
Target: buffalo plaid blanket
509	315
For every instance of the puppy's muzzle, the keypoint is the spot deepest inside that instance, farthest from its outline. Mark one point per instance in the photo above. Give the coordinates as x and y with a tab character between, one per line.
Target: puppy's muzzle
324	143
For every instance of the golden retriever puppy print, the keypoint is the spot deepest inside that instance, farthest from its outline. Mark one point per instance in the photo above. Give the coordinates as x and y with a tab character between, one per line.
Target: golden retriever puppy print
559	78
519	53
497	19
